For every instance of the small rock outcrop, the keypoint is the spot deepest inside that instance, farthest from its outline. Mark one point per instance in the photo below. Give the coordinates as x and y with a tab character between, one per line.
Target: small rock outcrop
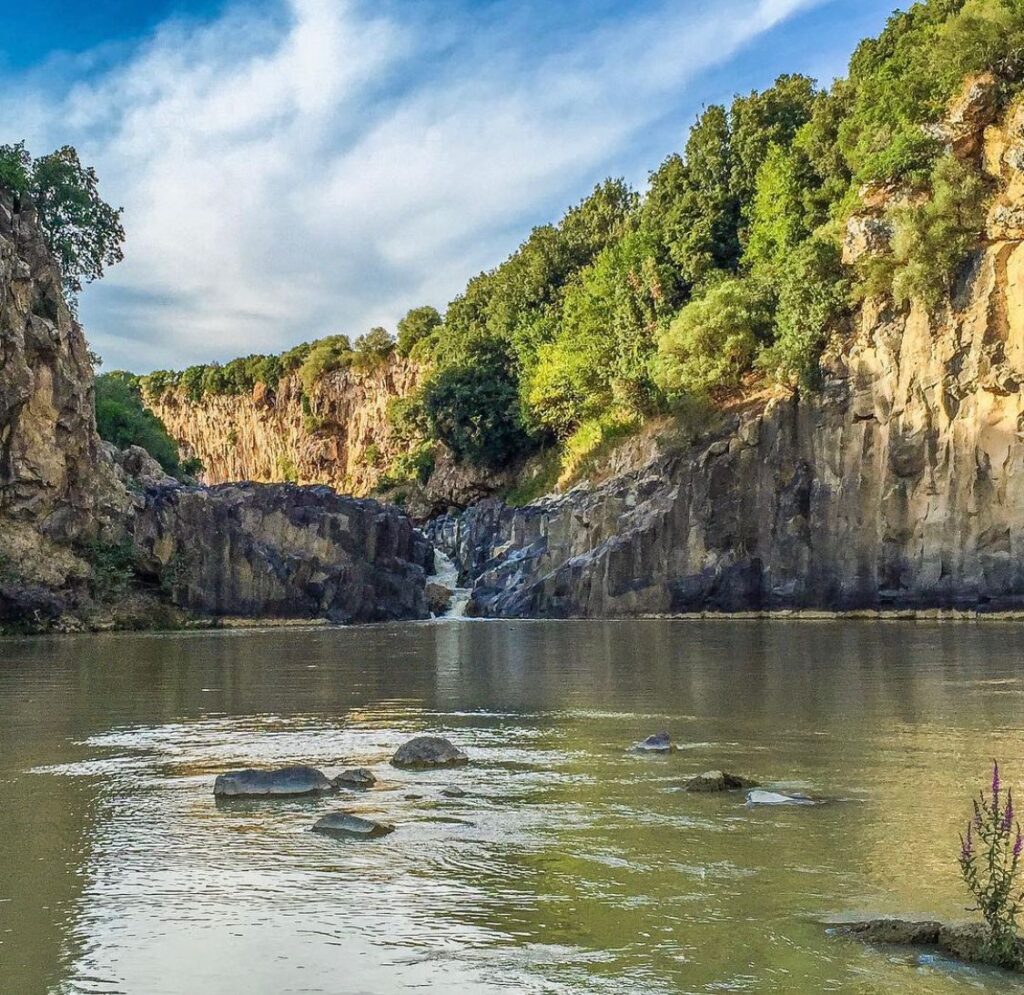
282	550
718	780
967	942
286	782
343	824
358	778
425	752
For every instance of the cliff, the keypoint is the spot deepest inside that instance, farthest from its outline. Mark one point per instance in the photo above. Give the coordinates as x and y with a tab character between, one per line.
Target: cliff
338	433
91	536
57	491
899	484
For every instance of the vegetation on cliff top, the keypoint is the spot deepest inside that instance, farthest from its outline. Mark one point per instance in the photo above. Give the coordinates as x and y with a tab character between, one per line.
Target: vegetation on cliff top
83	231
729	266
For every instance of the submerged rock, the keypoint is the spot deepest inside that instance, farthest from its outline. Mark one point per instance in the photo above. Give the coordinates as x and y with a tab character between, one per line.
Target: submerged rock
777	798
283	783
453	792
966	942
344	824
660	742
719	780
424	752
356	777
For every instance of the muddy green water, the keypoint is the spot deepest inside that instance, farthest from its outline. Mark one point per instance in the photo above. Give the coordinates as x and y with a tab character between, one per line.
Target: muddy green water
571	864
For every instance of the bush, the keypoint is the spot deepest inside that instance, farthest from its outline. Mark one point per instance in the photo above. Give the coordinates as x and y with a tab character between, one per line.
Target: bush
990	853
714	339
332	353
121	418
372	349
416	329
814	294
474	409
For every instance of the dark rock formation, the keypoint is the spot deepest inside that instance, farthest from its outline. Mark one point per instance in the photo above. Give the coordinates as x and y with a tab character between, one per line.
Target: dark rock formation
425	752
283	550
343	824
717	780
286	782
357	778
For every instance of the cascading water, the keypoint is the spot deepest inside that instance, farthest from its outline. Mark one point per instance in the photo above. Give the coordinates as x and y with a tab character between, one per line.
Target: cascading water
446	573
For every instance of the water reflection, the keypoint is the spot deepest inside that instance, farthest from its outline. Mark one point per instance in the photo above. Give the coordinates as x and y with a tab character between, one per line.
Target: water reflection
569	865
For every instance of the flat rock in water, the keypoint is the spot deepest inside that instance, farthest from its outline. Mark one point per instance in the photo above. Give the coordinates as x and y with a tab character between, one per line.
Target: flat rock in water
286	782
966	942
357	777
344	824
453	792
425	752
718	780
660	742
776	798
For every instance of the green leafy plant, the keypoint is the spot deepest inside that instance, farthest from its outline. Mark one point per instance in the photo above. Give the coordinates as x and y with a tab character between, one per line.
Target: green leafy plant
123	419
990	851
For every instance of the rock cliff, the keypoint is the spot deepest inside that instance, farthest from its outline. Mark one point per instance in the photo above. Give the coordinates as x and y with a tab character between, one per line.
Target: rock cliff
338	433
93	536
899	484
283	551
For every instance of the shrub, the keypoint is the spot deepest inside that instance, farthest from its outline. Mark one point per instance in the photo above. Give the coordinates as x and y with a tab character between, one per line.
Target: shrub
332	353
990	853
714	339
113	568
372	349
416	329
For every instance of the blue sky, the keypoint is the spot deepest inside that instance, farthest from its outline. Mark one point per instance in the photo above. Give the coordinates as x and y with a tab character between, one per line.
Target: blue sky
296	168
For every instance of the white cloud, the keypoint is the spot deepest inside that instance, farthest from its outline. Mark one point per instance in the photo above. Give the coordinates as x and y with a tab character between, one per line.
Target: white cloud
326	167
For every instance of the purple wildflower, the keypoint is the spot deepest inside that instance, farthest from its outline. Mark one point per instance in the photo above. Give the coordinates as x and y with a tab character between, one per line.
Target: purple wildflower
995	783
1018	845
977	816
1008	814
967	845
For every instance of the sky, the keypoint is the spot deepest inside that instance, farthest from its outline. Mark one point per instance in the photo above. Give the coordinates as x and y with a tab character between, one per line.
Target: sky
291	169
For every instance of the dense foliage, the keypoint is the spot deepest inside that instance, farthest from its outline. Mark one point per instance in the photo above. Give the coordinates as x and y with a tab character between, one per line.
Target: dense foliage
83	232
729	266
122	419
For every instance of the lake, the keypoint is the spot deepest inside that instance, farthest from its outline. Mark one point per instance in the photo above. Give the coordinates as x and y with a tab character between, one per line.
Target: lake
570	865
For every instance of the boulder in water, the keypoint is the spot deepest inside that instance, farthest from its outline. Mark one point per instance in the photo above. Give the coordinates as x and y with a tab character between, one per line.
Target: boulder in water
439	597
356	777
453	792
660	742
777	798
352	826
718	780
286	782
425	752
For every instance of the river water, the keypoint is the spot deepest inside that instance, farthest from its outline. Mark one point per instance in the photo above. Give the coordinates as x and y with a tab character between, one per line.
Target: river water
570	865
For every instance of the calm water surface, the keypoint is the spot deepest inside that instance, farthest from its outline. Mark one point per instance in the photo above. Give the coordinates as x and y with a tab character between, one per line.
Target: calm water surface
571	865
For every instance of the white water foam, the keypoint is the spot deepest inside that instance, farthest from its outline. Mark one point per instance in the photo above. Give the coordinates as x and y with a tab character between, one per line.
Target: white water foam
446	573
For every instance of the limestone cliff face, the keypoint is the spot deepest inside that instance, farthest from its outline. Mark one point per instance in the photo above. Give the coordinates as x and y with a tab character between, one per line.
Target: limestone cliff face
901	484
339	435
56	487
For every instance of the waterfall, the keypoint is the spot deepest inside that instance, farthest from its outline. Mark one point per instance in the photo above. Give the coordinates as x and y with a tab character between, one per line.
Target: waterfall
446	573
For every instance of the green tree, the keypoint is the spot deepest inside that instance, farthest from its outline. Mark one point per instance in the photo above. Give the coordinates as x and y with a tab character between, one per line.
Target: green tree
373	348
418	325
82	230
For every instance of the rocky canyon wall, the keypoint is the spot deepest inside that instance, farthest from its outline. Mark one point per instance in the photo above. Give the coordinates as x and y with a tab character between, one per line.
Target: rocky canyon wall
899	485
338	433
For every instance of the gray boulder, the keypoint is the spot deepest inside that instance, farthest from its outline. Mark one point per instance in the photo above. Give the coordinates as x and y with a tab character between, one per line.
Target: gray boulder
351	826
718	780
425	752
286	782
660	742
356	777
